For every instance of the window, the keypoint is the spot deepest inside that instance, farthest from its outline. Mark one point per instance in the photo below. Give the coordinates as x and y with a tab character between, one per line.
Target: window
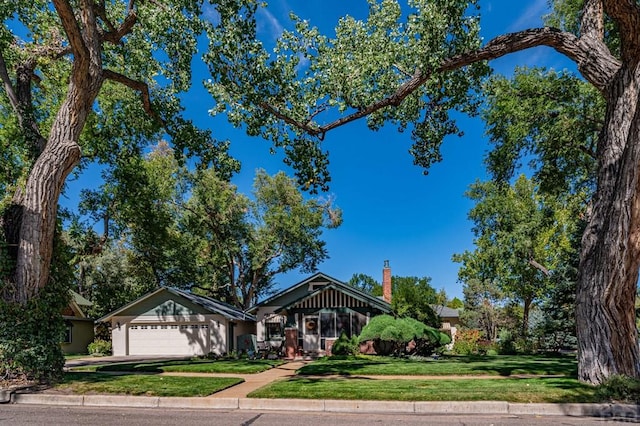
274	329
204	326
68	334
174	327
328	324
144	327
154	327
163	327
343	323
357	322
133	327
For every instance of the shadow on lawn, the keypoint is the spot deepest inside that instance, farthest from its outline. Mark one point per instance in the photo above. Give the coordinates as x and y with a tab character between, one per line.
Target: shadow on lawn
525	365
344	366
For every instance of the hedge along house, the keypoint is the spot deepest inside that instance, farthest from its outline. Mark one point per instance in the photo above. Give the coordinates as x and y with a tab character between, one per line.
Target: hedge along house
169	321
309	316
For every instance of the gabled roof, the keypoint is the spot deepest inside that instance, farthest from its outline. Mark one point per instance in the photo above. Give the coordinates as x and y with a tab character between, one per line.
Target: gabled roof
211	305
79	300
351	291
77	304
332	283
445	311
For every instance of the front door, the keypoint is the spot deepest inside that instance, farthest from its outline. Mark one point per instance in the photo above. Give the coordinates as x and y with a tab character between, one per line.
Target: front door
311	333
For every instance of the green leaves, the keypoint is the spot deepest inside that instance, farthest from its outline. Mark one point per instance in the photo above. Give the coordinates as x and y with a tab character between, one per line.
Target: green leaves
296	94
553	120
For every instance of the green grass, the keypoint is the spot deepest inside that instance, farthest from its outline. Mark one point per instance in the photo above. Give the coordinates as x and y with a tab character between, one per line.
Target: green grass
68	357
148	385
512	390
239	366
500	365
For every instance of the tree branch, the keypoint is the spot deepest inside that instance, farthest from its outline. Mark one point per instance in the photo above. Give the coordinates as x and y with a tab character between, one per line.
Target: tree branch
626	14
538	266
72	29
592	22
115	35
594	60
138	86
8	86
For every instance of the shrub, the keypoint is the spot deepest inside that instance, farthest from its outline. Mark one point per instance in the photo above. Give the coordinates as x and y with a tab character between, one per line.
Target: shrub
345	345
391	336
99	347
466	342
30	336
506	345
620	389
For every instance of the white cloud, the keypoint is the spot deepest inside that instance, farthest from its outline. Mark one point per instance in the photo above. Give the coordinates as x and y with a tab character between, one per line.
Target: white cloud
268	23
531	17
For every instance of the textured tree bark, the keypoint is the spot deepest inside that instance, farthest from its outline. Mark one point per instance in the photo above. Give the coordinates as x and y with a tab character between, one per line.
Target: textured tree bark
610	257
38	202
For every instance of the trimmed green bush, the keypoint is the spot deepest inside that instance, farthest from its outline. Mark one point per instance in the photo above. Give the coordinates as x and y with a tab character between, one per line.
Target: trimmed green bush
345	345
99	347
396	336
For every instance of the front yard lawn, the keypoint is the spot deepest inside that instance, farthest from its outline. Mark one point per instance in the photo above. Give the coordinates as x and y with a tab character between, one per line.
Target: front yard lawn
500	365
233	366
143	384
511	390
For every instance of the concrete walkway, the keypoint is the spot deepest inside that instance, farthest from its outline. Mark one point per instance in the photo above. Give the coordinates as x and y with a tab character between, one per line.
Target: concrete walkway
258	380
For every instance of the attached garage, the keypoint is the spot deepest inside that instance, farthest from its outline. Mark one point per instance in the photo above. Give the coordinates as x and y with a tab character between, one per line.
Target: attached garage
175	322
168	339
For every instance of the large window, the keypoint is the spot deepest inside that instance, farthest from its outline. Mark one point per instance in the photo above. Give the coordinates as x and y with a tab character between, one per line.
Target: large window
334	323
328	324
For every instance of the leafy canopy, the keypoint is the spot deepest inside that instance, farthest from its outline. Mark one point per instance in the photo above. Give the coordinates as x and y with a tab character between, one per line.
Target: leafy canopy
293	95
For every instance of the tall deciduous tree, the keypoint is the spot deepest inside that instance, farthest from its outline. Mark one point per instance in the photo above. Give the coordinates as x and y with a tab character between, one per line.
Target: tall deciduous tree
413	297
246	242
366	283
522	238
88	78
410	67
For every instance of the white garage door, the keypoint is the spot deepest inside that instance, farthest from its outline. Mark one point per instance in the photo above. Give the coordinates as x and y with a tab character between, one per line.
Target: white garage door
169	339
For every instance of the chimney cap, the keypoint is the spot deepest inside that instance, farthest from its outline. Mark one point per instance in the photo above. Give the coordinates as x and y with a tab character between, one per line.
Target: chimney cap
386	263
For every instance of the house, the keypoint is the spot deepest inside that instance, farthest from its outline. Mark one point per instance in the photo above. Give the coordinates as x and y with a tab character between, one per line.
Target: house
79	328
309	316
450	320
169	321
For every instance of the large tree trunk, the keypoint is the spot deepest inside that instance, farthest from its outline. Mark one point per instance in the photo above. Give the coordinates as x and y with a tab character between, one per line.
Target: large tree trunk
605	314
38	202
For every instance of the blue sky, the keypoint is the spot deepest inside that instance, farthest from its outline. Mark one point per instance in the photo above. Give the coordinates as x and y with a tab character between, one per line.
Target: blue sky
391	210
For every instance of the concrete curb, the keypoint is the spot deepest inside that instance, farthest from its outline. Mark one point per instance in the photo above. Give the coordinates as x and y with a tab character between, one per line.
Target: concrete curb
628	411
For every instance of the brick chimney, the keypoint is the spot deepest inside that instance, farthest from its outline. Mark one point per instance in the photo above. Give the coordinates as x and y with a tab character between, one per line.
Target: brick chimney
386	282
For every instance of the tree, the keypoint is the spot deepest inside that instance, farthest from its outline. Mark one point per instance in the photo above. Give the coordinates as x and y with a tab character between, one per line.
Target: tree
81	78
455	303
248	242
482	306
413	297
366	283
412	72
522	237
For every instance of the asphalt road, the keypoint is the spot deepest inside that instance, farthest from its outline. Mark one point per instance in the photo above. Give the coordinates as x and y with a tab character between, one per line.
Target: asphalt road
35	415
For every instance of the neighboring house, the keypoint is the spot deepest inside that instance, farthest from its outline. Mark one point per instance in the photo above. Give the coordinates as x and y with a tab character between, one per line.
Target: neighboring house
79	331
169	321
450	320
309	316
